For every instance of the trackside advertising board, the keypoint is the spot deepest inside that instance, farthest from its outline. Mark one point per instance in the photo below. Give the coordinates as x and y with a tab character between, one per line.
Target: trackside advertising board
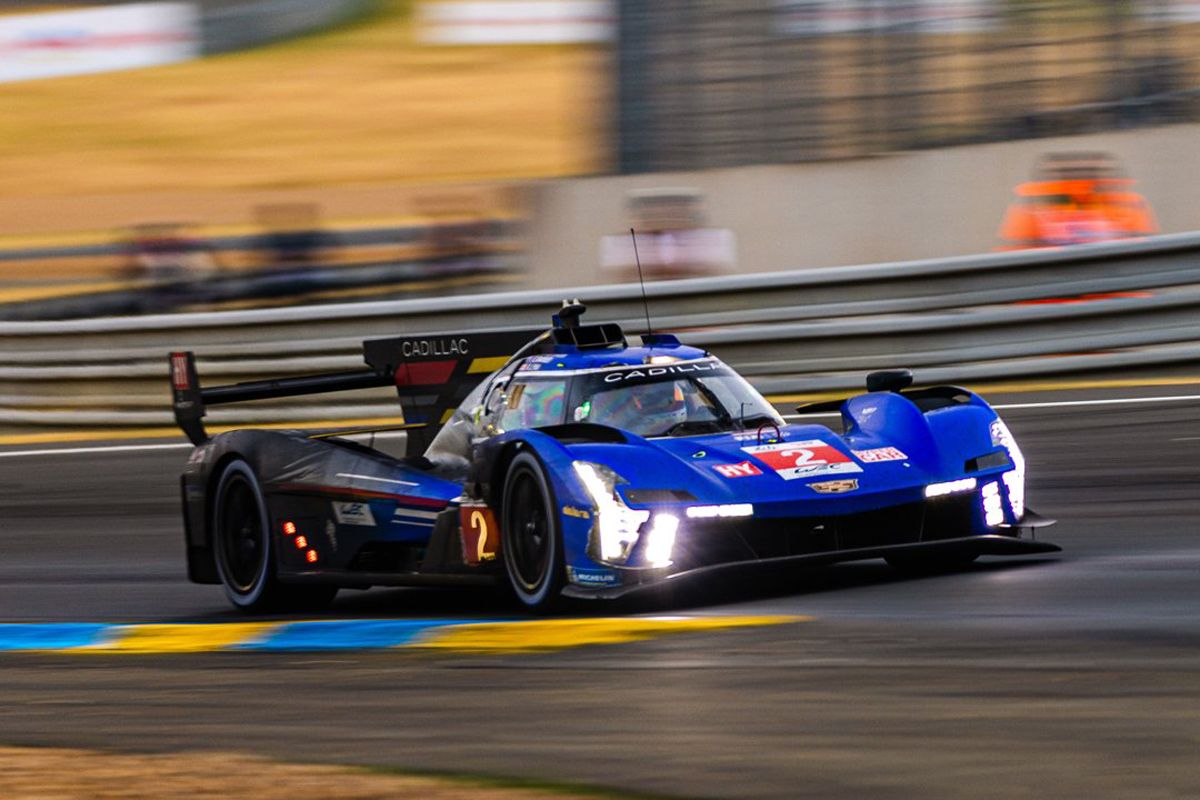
458	22
1170	10
62	43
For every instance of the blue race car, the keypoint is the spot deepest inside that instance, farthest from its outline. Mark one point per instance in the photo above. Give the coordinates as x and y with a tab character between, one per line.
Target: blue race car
586	465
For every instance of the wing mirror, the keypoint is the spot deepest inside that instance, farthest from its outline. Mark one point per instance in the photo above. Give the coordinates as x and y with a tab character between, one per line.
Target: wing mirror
889	380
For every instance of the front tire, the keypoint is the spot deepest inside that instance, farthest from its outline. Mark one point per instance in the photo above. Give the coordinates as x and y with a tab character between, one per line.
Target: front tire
531	542
244	553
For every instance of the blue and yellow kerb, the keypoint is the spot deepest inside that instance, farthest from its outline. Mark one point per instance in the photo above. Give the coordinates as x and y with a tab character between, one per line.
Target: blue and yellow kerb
445	635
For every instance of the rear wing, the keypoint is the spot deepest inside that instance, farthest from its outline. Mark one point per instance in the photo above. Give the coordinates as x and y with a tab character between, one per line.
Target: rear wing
432	375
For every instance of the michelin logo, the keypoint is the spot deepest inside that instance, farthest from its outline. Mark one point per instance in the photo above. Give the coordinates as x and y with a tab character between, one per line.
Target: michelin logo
354	514
592	577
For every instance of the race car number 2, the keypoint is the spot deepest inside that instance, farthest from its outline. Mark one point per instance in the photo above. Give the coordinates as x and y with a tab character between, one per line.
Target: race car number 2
807	459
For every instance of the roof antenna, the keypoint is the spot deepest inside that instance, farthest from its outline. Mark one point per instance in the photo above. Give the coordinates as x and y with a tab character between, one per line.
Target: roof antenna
642	281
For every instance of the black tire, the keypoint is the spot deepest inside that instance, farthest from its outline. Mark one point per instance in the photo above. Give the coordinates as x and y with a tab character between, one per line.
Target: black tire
930	563
244	552
531	541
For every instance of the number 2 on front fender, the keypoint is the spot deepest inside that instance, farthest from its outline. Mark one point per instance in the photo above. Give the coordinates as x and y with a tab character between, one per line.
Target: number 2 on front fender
801	456
480	539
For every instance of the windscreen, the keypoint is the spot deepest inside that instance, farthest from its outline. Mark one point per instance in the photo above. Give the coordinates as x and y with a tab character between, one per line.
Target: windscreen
680	399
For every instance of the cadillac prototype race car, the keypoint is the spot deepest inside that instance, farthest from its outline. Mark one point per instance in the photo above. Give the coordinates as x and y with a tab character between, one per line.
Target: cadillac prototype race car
586	465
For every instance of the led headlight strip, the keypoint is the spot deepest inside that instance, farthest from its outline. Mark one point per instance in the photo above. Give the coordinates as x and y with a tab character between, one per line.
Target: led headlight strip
730	510
993	513
660	540
616	529
1014	479
950	487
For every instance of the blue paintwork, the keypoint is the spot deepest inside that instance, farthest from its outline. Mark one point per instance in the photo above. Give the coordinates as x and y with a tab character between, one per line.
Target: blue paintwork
566	358
936	446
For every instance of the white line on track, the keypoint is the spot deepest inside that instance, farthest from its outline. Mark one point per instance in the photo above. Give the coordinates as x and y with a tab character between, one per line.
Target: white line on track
129	448
1110	401
72	451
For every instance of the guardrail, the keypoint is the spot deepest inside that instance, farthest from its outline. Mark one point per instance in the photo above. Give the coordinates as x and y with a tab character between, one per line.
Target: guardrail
1131	304
248	266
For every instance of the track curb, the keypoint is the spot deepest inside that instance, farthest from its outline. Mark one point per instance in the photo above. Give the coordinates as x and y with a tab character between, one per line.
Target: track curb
441	635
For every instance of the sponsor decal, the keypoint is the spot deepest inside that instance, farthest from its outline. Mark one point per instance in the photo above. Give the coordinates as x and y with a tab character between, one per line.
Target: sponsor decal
742	470
592	577
879	454
806	459
331	533
651	372
835	487
534	363
577	513
759	438
354	514
480	534
423	348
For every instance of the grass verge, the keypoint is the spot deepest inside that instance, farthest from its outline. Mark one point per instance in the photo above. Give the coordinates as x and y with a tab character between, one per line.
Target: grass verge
362	104
34	773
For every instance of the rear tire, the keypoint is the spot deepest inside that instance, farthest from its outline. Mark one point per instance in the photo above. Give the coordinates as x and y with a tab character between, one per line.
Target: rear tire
531	542
244	552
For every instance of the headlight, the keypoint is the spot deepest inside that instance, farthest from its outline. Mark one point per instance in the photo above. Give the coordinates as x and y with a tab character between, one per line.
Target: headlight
660	540
615	526
730	510
1014	479
950	487
993	514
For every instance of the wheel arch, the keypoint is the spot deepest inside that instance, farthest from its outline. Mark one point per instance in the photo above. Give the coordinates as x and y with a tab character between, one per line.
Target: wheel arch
553	456
202	558
210	488
498	472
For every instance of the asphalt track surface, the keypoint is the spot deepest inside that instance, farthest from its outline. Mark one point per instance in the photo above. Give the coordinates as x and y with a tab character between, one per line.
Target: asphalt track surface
1076	675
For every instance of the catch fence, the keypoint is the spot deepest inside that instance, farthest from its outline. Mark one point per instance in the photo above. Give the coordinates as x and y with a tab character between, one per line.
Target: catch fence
721	83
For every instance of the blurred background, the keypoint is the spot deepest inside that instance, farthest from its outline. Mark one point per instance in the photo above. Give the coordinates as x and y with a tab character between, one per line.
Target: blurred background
217	154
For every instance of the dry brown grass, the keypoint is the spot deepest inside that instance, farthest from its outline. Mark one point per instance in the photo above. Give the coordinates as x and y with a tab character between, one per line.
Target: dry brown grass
362	105
36	774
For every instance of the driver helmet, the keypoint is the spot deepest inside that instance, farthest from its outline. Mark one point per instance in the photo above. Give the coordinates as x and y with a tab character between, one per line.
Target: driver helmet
659	405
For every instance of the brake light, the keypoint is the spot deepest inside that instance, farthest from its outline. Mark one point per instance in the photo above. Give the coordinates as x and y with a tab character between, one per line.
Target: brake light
179	372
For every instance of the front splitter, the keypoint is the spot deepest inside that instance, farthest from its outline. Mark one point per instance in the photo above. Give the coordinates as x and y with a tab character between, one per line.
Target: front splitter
986	545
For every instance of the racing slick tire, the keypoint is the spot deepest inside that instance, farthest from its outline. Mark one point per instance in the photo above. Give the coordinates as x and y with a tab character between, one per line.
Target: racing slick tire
929	563
243	551
530	539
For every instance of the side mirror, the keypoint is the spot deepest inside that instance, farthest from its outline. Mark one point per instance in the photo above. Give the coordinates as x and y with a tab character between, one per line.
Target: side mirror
889	380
